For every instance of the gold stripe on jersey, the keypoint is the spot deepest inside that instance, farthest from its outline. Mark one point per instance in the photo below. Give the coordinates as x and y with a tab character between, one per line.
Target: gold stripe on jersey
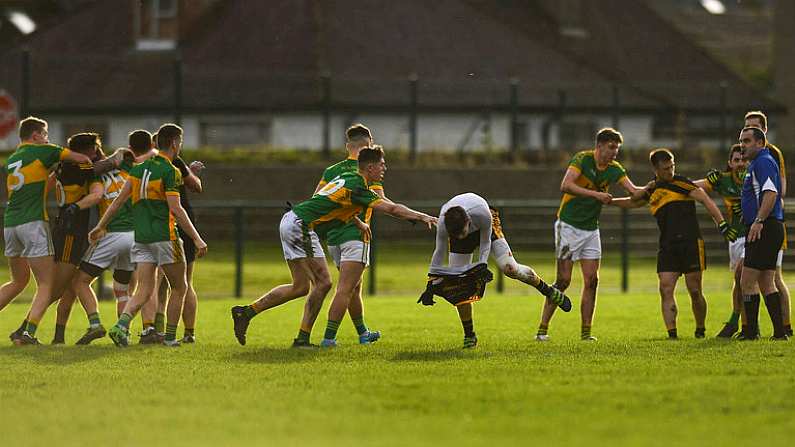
32	173
581	181
684	185
172	226
663	196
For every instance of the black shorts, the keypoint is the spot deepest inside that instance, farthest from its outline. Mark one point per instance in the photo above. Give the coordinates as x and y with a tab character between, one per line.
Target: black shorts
69	247
681	256
467	245
762	253
188	246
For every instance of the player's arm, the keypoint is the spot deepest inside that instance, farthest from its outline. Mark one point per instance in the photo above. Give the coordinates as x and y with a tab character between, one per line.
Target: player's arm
193	182
440	252
765	207
99	231
176	209
628	185
93	197
569	186
75	157
403	212
113	161
628	202
485	237
727	231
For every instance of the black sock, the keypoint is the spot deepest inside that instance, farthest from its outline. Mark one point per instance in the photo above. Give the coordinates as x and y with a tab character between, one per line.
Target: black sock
672	333
751	304
773	304
700	332
469	328
60	332
543	287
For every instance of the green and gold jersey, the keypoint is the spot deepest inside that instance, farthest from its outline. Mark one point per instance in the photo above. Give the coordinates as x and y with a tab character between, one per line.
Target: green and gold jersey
674	209
349	231
336	203
583	212
27	170
113	182
151	182
779	157
729	186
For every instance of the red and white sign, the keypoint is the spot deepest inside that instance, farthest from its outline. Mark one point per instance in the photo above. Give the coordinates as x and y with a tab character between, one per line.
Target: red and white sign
8	114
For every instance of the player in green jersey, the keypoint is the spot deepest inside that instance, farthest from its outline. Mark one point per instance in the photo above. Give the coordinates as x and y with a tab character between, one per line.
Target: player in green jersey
585	189
728	184
756	118
154	188
349	244
28	243
301	230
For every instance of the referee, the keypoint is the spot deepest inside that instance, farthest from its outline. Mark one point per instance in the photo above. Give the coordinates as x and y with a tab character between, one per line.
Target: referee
762	213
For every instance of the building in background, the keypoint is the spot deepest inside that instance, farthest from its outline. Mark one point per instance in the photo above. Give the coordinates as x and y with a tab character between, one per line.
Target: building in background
530	74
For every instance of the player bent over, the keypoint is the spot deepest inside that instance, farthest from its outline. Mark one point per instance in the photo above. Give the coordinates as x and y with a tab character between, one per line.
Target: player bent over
154	187
728	184
671	199
467	221
300	231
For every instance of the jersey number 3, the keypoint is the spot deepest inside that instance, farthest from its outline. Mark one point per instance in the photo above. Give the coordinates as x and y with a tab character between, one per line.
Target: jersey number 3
20	177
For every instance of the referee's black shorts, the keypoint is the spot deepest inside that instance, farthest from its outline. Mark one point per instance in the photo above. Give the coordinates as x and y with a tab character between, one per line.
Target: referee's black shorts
762	253
684	256
188	245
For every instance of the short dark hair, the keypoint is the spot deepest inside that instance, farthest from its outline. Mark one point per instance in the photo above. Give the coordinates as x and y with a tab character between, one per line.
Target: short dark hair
358	131
735	148
660	155
167	134
370	155
83	142
608	134
758	114
455	218
759	134
140	141
30	125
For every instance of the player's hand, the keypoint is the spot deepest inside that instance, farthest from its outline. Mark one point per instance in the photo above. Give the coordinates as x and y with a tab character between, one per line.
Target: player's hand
201	247
430	221
96	234
754	232
713	176
604	197
196	167
367	233
728	232
121	154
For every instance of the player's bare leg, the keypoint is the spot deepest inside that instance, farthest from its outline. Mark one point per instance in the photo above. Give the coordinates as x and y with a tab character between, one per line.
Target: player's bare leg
175	273
738	312
465	314
145	272
152	322
356	311
693	281
590	283
88	299
319	276
783	290
350	276
668	301
190	308
61	274
562	281
62	314
20	276
43	269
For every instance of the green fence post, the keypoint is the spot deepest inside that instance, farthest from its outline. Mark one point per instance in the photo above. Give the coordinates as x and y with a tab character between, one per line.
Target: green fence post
624	250
371	288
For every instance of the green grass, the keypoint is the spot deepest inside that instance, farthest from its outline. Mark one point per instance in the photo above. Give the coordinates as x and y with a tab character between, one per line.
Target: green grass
415	386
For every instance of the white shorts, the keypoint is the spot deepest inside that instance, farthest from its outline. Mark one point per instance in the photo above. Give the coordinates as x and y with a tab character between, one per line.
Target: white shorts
780	258
350	251
160	253
298	240
113	250
574	244
736	252
29	240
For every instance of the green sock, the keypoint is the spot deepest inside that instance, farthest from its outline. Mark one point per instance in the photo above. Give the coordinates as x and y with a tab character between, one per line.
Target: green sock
734	319
93	319
250	312
542	329
124	320
331	330
160	322
60	332
31	327
188	332
361	328
171	332
303	336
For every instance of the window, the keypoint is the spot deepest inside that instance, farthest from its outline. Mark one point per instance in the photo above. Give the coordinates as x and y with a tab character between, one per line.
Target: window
156	25
231	134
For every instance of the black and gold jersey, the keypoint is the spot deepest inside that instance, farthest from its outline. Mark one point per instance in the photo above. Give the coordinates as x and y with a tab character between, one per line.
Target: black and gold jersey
72	183
675	210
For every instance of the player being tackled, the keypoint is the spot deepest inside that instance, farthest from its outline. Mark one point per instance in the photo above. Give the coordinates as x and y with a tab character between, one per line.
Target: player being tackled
467	221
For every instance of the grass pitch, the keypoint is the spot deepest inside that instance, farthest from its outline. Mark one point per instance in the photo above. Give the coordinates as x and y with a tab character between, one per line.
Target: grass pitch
415	386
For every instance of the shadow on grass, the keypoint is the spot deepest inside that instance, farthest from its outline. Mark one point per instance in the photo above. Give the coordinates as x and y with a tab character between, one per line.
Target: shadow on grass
58	355
269	355
437	356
